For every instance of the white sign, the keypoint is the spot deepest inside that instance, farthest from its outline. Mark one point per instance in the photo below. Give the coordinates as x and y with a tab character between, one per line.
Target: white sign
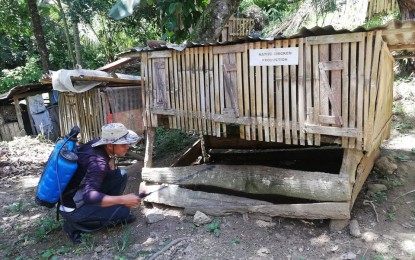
273	57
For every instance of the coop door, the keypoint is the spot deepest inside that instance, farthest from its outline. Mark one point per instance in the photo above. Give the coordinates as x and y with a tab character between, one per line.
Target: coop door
330	94
231	101
160	86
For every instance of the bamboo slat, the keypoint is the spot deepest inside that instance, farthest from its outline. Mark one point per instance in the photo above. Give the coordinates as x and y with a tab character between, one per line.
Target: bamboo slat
286	99
271	98
212	81
246	88
265	97
301	91
366	91
252	94
240	92
309	90
353	91
199	88
316	90
217	93
343	88
294	104
258	98
279	100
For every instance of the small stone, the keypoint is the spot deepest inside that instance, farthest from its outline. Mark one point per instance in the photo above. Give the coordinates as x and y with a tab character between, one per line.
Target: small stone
385	165
99	249
153	218
264	224
263	251
377	187
201	218
334	248
348	255
354	228
369	236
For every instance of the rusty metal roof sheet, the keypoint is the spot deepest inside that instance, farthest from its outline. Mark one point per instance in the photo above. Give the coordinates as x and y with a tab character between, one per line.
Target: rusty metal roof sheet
395	32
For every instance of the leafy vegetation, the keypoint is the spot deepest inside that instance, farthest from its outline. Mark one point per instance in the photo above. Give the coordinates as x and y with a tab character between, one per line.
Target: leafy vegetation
214	227
168	141
45	226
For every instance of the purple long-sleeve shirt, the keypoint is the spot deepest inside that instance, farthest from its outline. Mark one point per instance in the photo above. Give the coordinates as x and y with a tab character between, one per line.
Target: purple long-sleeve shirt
93	166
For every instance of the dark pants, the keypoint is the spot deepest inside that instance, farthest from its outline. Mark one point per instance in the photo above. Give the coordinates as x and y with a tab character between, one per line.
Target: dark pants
89	218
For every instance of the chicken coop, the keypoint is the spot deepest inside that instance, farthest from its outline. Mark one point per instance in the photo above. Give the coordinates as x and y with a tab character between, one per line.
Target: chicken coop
289	127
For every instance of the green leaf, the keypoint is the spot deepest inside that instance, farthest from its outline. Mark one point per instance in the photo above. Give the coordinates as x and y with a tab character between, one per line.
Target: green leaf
216	232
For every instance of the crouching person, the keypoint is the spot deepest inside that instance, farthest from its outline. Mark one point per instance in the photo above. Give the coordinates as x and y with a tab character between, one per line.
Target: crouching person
94	197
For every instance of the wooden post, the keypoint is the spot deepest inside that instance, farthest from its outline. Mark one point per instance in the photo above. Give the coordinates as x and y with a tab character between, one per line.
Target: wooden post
148	157
19	115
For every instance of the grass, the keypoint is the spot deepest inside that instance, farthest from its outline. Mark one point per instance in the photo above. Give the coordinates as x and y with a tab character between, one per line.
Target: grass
169	141
121	245
45	226
214	227
17	207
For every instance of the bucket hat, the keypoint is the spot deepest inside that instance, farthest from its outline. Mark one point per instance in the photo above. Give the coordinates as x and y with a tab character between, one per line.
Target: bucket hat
116	133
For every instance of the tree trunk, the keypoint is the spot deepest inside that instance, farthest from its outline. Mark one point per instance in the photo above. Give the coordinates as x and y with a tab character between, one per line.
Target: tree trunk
40	38
407	9
68	37
213	19
77	41
256	179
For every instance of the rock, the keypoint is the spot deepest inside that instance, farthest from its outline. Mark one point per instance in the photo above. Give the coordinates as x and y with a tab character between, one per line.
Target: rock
385	165
99	249
153	218
348	255
201	218
338	224
377	187
354	228
263	224
263	251
369	236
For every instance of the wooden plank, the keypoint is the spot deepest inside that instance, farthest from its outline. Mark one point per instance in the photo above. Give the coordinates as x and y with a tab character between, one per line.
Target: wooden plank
279	99
239	90
328	130
337	38
188	90
159	54
150	137
212	82
294	104
176	196
172	87
286	90
366	91
309	117
246	93
256	179
363	170
324	210
193	86
198	87
19	114
271	95
325	89
360	93
265	97
316	90
352	91
222	58
202	89
225	49
374	86
252	94
217	103
301	90
189	156
258	97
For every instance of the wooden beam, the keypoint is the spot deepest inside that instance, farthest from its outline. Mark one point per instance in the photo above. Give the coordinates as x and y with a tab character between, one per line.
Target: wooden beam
400	47
401	57
220	204
148	156
256	179
19	114
327	130
105	79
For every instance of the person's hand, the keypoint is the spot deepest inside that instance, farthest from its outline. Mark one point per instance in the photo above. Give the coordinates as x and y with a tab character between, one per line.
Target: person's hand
111	164
131	200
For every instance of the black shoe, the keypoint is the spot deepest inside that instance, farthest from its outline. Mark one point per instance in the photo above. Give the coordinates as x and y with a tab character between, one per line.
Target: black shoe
74	234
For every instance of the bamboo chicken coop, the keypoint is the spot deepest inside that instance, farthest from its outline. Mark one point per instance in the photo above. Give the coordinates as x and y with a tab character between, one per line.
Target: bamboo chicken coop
321	92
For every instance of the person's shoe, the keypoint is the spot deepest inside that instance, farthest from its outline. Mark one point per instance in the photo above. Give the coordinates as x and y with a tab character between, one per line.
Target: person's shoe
74	234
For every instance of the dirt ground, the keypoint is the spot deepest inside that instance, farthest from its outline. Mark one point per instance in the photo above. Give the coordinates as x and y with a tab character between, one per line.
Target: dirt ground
386	218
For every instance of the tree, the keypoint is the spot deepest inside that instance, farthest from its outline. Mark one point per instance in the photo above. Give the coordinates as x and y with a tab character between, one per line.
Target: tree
40	38
407	9
213	19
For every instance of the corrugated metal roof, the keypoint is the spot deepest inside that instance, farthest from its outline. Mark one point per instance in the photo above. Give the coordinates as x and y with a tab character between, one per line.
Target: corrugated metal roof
396	32
23	89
